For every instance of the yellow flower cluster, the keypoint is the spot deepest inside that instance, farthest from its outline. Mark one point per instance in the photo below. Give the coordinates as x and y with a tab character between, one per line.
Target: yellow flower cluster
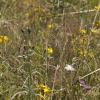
50	50
97	7
40	13
47	14
82	52
81	31
90	55
82	41
95	31
98	23
3	38
37	9
86	53
27	14
51	26
43	90
35	18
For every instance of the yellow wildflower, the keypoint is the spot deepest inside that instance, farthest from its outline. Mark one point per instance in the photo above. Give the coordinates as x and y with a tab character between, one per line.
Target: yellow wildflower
1	36
35	18
1	40
40	86
97	7
90	55
5	38
81	40
47	14
98	23
95	31
27	14
37	9
50	50
82	52
51	26
43	90
46	90
85	51
82	31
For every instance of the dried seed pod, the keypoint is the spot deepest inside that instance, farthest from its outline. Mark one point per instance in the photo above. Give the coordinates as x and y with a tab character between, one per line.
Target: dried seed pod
28	29
22	30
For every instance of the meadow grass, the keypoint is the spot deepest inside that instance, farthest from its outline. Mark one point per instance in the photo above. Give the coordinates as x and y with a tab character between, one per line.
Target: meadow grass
49	50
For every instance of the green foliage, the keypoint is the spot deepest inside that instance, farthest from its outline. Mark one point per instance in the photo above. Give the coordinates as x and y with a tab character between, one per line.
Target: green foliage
38	39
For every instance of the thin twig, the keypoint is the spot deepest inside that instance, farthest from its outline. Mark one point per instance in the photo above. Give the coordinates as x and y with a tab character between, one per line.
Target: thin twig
90	73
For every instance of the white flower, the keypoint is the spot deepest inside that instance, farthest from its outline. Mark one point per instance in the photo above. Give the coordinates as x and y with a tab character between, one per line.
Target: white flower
69	67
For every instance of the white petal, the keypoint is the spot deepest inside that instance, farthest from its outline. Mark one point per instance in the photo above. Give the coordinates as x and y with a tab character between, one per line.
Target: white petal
69	68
